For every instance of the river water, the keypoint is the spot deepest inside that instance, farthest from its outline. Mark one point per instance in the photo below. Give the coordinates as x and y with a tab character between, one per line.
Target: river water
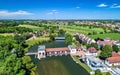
53	44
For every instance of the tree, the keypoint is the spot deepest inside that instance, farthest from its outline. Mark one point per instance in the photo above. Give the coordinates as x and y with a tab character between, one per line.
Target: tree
68	39
106	52
76	37
115	48
108	73
94	45
98	72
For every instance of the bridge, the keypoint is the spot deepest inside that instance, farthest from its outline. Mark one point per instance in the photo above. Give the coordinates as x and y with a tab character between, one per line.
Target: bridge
59	38
32	53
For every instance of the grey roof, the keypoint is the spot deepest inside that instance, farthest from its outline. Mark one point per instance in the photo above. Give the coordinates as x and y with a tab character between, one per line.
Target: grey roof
41	48
71	47
94	59
117	71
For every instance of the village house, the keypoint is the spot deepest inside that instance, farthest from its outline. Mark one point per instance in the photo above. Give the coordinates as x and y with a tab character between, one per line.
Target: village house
95	63
91	51
43	52
106	41
113	60
117	43
86	39
57	51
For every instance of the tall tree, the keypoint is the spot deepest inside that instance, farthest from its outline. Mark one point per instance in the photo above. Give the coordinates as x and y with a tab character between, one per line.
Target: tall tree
68	39
98	72
106	52
115	48
108	73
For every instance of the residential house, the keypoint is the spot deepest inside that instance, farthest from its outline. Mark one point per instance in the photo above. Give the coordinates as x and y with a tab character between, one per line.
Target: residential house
113	60
95	63
92	51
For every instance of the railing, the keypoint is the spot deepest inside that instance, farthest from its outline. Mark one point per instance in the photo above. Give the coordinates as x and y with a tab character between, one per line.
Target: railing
31	53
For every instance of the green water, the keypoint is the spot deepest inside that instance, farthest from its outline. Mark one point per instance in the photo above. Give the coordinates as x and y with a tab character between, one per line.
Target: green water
77	68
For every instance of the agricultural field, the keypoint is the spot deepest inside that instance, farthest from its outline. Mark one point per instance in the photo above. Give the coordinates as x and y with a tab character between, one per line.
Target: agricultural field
34	28
60	65
81	29
114	36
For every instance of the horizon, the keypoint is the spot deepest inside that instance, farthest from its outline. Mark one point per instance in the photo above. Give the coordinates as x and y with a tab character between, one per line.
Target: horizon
60	10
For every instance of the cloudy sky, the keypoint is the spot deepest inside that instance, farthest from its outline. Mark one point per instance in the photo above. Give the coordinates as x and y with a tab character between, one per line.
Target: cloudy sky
59	9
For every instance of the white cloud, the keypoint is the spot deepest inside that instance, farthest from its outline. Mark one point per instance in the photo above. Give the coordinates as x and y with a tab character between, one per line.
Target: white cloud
115	6
102	5
52	12
5	13
77	7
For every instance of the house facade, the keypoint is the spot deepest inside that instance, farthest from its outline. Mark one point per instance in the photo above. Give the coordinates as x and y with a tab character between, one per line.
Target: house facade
91	51
95	63
43	52
113	60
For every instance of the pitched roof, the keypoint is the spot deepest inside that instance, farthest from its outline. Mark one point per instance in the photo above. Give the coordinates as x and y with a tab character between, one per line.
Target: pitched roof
114	54
57	49
92	50
115	57
106	42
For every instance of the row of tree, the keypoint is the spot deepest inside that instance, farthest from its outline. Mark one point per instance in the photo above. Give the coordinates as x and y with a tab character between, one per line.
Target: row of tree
14	29
12	57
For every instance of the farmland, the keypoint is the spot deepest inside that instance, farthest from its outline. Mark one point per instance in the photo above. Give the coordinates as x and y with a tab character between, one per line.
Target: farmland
114	36
32	27
81	29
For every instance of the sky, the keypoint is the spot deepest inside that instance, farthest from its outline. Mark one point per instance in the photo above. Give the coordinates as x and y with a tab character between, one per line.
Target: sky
59	9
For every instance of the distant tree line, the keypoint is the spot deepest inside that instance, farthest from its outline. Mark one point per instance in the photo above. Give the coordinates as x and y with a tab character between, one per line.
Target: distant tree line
14	29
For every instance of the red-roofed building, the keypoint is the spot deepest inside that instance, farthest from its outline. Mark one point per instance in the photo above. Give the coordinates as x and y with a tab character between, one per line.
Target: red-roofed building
57	51
91	51
103	43
114	60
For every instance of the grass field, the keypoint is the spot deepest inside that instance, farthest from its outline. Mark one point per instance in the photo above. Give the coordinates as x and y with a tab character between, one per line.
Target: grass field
37	40
81	29
32	27
115	36
60	65
85	66
7	34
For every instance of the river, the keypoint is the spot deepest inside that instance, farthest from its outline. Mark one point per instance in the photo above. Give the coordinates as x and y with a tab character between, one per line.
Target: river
54	44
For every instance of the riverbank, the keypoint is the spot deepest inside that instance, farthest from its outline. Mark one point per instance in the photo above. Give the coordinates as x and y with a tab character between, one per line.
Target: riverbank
37	41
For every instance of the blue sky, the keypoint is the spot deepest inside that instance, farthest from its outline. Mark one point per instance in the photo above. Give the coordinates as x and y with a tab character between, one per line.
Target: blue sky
60	9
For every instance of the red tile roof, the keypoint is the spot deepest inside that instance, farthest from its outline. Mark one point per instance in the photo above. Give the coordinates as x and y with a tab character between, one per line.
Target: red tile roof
114	54
115	57
78	48
57	49
92	50
106	42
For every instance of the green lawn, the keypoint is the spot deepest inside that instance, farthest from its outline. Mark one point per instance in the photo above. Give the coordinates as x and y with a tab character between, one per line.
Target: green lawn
115	36
85	66
102	73
32	27
81	29
60	65
6	34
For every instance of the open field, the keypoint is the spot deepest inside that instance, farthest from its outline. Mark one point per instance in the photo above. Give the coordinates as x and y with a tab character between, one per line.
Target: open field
60	65
81	29
6	34
32	27
115	36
